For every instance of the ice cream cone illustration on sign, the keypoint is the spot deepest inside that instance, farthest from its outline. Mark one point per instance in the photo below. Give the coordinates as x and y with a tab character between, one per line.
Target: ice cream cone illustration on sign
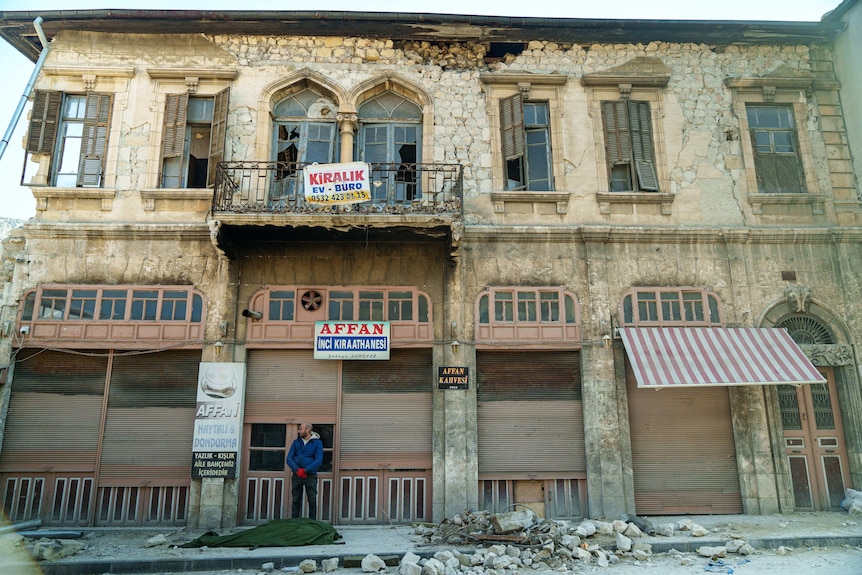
219	381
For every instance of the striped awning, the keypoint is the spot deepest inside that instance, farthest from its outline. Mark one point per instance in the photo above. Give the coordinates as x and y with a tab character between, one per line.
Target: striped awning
678	356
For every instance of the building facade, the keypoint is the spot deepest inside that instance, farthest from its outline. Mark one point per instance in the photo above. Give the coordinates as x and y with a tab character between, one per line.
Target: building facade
559	215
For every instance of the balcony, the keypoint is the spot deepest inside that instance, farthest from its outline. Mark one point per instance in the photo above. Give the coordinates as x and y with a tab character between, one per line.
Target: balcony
426	191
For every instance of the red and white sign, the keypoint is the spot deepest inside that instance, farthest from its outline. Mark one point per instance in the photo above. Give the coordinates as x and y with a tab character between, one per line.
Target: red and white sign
337	183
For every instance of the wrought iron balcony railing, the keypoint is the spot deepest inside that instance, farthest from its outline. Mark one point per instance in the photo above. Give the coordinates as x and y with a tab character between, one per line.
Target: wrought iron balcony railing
277	187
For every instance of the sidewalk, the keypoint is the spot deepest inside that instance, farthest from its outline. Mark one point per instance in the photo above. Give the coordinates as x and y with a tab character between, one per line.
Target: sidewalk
124	551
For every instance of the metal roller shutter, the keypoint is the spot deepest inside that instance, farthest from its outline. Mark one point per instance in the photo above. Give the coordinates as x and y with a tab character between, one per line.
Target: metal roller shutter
150	420
683	453
55	412
290	384
530	413
386	411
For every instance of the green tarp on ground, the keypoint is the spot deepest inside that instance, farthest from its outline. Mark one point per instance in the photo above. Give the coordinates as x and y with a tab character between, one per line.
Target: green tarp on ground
276	533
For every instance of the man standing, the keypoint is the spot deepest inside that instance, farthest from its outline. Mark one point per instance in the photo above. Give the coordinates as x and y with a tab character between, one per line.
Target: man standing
304	459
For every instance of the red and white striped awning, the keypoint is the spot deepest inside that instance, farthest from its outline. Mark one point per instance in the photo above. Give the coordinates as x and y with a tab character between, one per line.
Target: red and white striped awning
678	356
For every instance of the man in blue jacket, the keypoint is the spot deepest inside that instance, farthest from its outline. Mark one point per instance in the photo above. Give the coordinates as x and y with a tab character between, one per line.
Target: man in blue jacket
304	459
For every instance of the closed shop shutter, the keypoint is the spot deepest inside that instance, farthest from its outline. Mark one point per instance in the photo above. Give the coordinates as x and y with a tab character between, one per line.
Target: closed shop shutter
55	413
530	413
386	412
284	385
683	453
150	420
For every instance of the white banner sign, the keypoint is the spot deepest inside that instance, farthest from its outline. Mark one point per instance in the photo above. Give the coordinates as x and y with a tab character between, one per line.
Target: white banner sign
337	183
351	340
218	420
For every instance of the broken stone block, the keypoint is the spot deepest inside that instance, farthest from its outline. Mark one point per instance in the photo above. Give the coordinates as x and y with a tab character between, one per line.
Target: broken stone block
308	566
159	539
434	567
619	525
51	549
603	527
329	565
746	549
583	554
602	559
512	521
697	530
706	551
642	555
642	546
570	541
372	564
410	557
410	569
633	531
268	566
665	530
734	545
586	529
684	524
624	544
783	550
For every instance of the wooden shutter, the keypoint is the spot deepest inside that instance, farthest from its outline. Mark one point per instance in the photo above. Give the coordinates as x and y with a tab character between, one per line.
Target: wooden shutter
512	126
44	121
55	413
642	146
530	413
173	139
149	424
618	139
94	141
683	451
218	134
386	411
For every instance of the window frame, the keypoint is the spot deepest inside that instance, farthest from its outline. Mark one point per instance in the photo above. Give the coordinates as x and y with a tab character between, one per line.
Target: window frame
531	88
46	137
524	322
786	91
712	317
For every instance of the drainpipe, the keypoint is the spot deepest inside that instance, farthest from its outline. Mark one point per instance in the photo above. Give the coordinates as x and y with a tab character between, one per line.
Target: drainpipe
37	23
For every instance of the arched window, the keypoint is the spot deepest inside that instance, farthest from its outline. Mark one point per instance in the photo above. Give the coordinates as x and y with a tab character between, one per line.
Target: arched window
304	131
805	329
389	136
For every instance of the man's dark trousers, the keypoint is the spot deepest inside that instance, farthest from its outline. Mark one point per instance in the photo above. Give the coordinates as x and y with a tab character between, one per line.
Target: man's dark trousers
310	486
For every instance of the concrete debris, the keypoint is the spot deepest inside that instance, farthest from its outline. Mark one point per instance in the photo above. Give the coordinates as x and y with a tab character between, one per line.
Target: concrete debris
548	544
156	540
308	566
329	565
53	549
268	566
373	564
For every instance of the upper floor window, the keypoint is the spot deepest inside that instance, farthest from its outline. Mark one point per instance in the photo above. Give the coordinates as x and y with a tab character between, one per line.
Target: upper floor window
113	304
304	131
526	137
193	139
72	131
540	315
671	306
776	151
629	147
390	133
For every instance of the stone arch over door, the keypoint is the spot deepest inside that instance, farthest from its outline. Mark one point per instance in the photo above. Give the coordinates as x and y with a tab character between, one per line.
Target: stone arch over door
825	338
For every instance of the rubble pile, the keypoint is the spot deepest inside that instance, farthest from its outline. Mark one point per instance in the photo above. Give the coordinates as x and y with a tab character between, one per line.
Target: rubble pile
521	540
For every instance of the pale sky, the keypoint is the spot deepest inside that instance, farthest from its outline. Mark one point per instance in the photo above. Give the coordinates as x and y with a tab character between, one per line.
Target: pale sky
17	201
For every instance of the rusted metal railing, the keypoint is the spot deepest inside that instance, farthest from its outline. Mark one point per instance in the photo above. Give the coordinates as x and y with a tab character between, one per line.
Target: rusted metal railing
277	187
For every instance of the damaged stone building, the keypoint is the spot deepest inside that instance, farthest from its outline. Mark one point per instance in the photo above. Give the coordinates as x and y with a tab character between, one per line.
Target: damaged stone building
590	267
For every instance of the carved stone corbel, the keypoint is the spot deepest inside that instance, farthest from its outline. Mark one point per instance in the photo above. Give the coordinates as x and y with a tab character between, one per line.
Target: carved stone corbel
192	83
797	297
89	82
769	93
625	91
